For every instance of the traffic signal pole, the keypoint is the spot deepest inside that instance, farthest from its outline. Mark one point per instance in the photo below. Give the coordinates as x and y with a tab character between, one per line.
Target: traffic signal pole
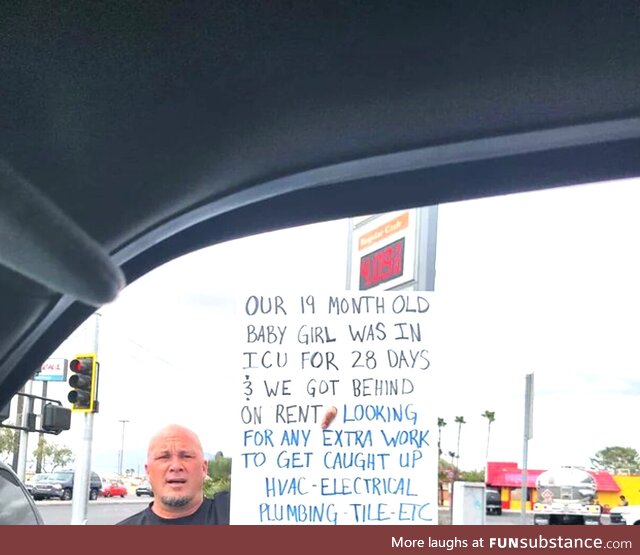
82	476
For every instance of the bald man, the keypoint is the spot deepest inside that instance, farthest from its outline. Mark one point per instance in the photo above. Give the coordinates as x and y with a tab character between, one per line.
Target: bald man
176	468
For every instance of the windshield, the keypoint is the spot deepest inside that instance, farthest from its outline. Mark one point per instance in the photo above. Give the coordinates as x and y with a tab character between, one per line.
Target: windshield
61	476
542	282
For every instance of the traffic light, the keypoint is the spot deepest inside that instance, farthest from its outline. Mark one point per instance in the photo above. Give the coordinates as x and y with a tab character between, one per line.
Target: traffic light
84	383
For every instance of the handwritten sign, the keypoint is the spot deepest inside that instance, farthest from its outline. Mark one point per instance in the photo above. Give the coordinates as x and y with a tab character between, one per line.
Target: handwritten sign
370	356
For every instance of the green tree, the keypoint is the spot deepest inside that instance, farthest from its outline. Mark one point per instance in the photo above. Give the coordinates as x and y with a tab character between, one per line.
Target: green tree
446	473
491	418
445	469
53	456
7	443
614	459
472	476
459	420
219	475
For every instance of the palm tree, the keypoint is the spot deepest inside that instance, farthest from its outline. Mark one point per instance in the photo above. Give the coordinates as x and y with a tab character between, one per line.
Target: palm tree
459	421
453	456
441	424
491	417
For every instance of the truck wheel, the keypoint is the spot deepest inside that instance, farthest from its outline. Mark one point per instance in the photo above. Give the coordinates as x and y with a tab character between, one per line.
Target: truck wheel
67	494
93	494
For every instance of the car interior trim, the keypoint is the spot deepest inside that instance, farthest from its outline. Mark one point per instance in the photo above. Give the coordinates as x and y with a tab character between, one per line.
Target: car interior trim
388	164
44	244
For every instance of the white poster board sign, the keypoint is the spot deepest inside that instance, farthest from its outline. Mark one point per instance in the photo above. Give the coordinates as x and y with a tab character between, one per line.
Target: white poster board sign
367	355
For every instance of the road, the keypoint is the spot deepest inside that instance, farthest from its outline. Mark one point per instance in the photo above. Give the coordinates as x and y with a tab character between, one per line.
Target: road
101	511
507	518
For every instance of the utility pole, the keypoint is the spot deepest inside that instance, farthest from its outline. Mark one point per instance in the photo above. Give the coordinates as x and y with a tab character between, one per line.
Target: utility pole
83	466
41	435
16	434
24	435
121	454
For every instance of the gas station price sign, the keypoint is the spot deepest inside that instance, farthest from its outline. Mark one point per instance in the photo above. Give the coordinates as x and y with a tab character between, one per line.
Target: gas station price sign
383	251
382	265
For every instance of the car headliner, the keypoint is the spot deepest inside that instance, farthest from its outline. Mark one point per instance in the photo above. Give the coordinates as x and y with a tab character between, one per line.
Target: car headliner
133	136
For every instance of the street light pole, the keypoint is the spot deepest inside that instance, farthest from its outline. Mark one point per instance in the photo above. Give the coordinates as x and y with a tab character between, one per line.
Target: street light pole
121	457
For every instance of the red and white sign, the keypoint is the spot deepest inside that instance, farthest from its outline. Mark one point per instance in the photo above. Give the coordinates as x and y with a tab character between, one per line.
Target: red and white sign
53	370
383	251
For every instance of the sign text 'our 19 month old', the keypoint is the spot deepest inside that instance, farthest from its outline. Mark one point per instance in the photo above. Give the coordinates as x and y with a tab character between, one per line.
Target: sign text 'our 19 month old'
370	357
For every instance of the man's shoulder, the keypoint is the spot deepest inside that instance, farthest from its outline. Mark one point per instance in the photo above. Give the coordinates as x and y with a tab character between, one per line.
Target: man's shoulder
221	497
220	505
214	510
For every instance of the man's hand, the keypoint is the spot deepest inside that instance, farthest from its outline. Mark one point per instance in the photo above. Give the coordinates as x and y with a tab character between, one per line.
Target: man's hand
331	413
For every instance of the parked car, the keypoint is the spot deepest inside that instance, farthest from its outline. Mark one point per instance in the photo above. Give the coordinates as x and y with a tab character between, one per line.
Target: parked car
34	480
493	502
629	515
59	485
17	506
114	488
144	489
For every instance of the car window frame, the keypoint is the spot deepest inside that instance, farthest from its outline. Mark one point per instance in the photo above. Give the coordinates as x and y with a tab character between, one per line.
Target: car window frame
9	476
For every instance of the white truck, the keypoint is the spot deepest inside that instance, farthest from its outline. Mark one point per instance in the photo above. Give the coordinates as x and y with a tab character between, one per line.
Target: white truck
625	515
566	495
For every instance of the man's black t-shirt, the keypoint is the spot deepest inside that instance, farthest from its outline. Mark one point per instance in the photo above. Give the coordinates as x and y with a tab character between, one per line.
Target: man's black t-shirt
212	511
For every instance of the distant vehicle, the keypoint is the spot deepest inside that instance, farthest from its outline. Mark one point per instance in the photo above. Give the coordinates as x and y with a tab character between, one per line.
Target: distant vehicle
144	489
34	480
629	515
566	495
59	485
493	502
115	488
16	505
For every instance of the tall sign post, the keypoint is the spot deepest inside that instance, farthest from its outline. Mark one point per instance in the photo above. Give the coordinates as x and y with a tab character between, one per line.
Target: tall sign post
528	434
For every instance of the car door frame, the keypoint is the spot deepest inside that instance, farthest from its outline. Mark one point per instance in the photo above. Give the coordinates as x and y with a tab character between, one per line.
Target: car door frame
7	470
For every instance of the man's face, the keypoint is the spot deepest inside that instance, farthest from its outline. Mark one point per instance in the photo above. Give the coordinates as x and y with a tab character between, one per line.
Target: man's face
176	468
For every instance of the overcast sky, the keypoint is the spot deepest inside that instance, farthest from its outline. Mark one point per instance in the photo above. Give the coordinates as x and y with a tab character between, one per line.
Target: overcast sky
544	282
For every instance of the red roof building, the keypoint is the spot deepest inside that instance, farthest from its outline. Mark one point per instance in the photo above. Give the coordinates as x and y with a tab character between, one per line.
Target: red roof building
507	477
